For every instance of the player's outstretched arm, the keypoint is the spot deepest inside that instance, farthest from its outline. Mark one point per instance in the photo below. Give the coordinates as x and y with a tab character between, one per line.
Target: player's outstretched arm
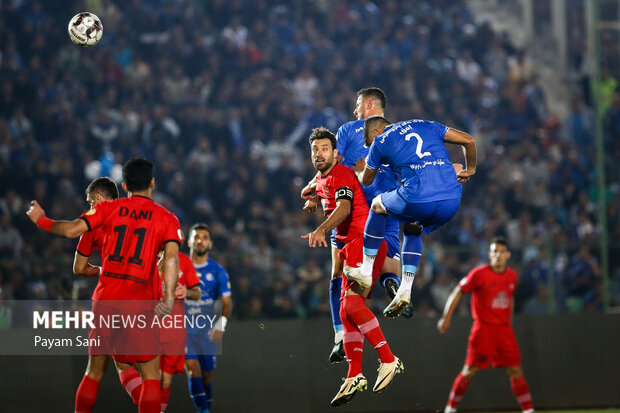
469	148
82	267
65	229
453	301
339	214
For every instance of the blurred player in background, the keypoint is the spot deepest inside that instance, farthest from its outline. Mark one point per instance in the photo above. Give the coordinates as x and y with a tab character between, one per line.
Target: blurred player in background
130	248
492	339
101	189
346	209
172	360
351	148
428	198
200	359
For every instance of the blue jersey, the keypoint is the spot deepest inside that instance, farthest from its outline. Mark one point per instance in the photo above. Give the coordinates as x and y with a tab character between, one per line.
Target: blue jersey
214	283
416	150
351	147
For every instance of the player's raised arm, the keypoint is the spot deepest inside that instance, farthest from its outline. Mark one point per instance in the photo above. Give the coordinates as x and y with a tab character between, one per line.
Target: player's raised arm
453	301
65	229
469	149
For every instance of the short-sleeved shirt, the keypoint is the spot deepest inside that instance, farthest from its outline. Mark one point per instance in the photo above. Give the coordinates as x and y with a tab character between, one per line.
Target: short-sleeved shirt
341	182
415	149
135	229
89	242
492	294
214	283
351	147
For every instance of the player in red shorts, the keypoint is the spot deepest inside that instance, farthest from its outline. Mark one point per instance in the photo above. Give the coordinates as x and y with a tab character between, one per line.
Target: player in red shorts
491	340
101	189
172	360
136	229
344	205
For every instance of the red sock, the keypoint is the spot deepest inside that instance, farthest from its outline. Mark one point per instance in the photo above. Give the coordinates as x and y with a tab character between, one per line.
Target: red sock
150	397
86	395
522	392
368	325
458	390
353	342
165	396
132	382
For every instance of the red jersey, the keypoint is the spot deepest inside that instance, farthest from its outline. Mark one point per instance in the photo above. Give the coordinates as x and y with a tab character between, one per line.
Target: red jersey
341	183
187	274
89	242
491	294
135	229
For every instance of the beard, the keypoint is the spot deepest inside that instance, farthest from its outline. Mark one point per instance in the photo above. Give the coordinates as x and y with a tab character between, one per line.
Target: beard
201	253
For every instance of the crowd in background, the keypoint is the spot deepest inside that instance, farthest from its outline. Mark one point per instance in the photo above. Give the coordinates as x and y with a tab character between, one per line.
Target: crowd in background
222	95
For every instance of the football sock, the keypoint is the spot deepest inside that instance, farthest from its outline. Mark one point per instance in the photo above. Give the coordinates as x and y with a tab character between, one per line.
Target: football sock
209	394
132	382
388	275
353	342
373	237
335	285
165	396
458	390
368	325
197	393
522	392
86	395
410	257
150	397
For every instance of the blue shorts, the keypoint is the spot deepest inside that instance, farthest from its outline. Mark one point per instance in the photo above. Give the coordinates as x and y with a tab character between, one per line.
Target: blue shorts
392	229
431	215
202	349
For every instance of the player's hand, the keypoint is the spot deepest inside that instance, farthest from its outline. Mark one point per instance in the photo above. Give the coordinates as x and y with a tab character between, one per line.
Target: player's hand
464	175
308	192
35	211
215	334
315	238
360	164
311	205
164	307
443	324
180	292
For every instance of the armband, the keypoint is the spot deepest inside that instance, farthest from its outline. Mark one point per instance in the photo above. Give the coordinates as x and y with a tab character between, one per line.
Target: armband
45	223
344	193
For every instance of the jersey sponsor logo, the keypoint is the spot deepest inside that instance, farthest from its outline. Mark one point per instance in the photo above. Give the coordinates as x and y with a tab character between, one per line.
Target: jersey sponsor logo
501	302
90	211
361	128
125	212
427	163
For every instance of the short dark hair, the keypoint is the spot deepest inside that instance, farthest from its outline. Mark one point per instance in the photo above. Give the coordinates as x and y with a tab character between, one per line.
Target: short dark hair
104	186
372	122
137	174
501	241
200	225
374	92
323	133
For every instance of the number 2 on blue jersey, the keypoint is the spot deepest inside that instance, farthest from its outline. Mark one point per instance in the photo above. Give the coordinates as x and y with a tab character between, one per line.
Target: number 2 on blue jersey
418	149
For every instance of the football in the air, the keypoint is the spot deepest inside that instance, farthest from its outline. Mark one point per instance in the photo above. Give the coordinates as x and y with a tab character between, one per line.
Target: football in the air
85	29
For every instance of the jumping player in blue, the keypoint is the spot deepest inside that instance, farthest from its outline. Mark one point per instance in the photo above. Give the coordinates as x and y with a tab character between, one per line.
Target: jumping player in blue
351	148
428	197
214	283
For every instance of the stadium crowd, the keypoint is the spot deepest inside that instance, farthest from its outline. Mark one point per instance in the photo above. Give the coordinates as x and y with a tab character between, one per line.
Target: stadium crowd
222	95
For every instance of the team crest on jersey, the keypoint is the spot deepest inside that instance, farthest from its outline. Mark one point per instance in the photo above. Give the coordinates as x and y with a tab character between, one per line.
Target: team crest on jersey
209	276
91	211
326	190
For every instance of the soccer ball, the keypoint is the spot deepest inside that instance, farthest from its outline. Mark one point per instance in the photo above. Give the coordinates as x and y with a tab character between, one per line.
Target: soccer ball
85	29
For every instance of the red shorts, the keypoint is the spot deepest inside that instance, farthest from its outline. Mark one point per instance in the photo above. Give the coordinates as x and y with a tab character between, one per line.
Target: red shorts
492	344
134	359
172	364
353	255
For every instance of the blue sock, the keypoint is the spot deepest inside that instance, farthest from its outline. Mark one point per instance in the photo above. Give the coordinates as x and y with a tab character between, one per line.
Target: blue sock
209	394
410	257
389	275
198	394
335	285
373	233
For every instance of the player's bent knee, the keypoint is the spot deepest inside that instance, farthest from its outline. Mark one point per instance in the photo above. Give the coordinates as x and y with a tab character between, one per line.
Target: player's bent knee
514	372
412	229
469	371
192	368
